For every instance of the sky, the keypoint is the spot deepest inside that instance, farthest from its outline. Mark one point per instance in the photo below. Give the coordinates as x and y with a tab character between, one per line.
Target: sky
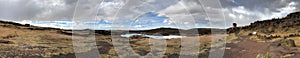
143	14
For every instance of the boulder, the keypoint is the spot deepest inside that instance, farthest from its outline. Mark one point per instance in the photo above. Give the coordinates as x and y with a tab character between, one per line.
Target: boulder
291	43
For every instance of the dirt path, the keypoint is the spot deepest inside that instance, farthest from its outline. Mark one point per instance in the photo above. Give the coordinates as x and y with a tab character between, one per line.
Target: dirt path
245	49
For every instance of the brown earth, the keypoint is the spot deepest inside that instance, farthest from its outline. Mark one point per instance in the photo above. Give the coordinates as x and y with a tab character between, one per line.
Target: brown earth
246	49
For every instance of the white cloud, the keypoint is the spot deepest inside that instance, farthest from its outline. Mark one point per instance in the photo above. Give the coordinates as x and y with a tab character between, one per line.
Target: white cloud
190	14
241	10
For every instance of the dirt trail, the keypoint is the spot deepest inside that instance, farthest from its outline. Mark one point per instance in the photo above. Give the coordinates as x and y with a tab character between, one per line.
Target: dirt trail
246	49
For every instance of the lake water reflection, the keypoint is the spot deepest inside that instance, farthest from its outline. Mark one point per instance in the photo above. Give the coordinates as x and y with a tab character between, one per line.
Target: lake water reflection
153	36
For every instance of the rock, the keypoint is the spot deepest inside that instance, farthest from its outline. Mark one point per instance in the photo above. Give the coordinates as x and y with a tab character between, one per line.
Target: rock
6	42
291	43
259	56
268	37
282	47
142	52
10	36
228	48
60	47
250	34
284	42
254	33
40	47
275	44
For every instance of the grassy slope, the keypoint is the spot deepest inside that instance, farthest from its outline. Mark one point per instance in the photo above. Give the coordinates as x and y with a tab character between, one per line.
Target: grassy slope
32	42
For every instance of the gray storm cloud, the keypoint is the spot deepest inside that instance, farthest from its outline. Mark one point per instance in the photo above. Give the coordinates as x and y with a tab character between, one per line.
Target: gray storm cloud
190	12
36	9
242	12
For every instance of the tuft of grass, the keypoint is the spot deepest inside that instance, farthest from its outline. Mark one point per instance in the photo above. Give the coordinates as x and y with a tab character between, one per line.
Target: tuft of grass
267	55
284	42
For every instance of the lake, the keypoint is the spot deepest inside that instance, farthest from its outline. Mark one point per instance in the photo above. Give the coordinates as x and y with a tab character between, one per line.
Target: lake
153	36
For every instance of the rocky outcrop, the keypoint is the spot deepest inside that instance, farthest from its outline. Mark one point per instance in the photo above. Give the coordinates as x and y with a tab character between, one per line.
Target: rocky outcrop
281	48
290	20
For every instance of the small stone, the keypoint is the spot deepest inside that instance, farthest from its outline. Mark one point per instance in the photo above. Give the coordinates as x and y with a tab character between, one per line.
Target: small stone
6	42
254	33
60	47
227	48
243	50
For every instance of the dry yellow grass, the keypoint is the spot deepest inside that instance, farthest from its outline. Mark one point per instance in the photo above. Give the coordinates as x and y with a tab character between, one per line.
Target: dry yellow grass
34	42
